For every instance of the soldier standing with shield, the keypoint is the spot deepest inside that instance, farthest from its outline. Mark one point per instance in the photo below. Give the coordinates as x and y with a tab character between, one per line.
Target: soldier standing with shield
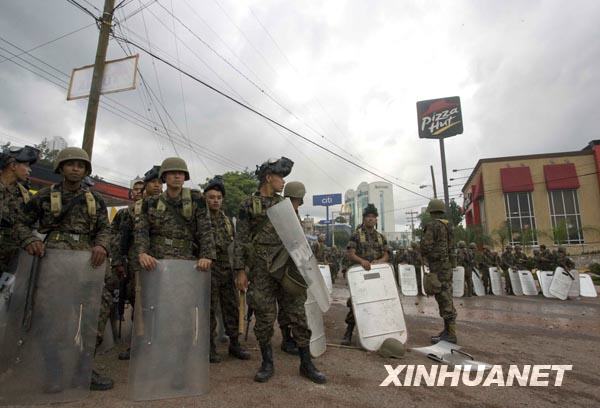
259	248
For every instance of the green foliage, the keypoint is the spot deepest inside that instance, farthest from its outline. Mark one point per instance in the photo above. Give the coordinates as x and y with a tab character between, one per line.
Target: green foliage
238	186
472	233
47	155
595	268
455	214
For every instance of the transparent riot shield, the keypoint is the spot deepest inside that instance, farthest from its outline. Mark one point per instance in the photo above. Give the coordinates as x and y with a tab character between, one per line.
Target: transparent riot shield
496	281
527	283
408	280
286	223
561	283
587	285
7	282
458	281
478	287
545	278
314	318
575	290
326	272
376	305
170	340
515	282
47	348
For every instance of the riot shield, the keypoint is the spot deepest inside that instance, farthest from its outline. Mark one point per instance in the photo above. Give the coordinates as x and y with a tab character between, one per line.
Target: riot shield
314	318
286	223
587	285
376	305
478	287
408	280
46	351
515	282
527	283
326	272
170	341
561	283
575	289
7	282
450	354
496	281
545	278
458	281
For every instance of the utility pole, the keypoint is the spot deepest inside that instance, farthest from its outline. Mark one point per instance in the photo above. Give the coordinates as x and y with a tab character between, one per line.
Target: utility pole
444	174
412	214
433	182
97	76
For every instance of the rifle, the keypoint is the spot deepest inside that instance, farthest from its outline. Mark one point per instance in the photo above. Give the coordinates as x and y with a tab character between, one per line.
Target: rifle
242	313
248	320
29	299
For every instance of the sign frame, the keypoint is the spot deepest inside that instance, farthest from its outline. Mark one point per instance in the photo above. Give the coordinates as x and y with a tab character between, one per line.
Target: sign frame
444	118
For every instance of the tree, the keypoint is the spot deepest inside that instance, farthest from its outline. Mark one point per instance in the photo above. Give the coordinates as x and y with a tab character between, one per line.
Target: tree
503	234
238	186
455	214
47	154
473	233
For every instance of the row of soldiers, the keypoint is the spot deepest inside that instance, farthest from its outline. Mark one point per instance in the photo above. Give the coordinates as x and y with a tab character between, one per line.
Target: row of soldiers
177	223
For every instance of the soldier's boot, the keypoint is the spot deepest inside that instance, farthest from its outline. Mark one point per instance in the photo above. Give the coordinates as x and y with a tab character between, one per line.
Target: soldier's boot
266	369
288	344
125	355
308	369
347	339
444	332
100	382
236	350
448	334
214	357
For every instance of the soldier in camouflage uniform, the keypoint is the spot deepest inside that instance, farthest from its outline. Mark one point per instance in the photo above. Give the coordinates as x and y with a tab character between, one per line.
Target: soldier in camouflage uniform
334	263
320	250
413	257
74	218
174	225
463	258
437	247
366	246
259	248
521	259
563	260
222	289
537	259
507	262
15	166
547	260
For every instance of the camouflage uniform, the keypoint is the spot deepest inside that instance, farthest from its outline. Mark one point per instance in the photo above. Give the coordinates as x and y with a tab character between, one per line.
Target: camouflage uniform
320	251
256	246
563	260
463	258
547	260
12	201
222	289
507	262
521	260
369	245
483	260
437	246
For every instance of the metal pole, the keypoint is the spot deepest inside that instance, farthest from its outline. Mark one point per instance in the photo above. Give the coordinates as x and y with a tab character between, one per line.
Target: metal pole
97	76
433	182
444	173
328	233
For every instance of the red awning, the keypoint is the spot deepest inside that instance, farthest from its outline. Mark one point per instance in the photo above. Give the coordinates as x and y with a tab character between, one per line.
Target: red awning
478	188
561	176
516	179
112	190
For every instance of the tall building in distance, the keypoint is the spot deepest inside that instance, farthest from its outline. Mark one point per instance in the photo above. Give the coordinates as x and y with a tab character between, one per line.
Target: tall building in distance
378	193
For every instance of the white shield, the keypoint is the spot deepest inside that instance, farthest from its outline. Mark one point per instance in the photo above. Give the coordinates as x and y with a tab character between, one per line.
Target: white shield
575	287
170	344
587	285
561	283
515	282
314	318
377	308
57	349
496	281
458	281
286	223
527	283
326	272
449	353
478	287
545	278
408	280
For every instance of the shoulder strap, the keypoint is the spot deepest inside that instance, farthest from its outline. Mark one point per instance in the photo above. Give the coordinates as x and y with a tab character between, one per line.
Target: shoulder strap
24	193
186	201
256	205
228	225
55	201
90	200
137	207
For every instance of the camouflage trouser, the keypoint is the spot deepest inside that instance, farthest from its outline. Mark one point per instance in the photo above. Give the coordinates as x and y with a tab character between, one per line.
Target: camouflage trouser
350	316
444	298
419	280
111	283
507	282
265	293
468	281
290	307
485	276
224	295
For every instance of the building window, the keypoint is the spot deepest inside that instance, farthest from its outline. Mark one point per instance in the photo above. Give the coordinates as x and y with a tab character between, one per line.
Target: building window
566	219
520	218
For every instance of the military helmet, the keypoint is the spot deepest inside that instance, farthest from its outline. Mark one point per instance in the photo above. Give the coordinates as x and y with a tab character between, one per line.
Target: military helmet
536	251
414	245
293	283
174	164
25	154
543	247
462	244
436	206
135	181
294	189
72	153
282	167
473	245
391	348
370	209
216	183
561	249
518	247
509	248
152	173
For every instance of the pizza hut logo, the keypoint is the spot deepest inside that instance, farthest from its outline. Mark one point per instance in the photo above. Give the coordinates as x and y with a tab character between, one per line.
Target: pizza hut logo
439	118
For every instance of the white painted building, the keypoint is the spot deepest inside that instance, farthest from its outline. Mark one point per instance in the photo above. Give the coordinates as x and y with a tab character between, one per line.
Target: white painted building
378	193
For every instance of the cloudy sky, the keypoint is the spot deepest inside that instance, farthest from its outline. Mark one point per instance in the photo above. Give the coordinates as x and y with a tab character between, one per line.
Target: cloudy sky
345	74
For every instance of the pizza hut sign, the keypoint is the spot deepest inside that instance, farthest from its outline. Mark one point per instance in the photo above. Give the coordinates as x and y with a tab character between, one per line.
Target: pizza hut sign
439	118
